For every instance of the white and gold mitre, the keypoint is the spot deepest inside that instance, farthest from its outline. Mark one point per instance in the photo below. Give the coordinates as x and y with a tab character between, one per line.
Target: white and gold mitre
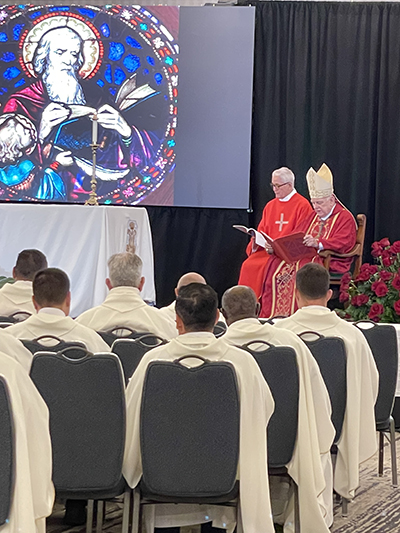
320	184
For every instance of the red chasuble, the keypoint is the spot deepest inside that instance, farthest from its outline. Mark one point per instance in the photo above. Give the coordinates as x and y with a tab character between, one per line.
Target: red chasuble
279	219
337	233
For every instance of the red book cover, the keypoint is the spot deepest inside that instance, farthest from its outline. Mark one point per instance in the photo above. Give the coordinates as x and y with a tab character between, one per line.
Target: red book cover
290	248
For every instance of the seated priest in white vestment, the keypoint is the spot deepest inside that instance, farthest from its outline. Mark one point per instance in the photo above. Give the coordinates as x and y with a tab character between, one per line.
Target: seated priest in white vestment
123	305
196	315
17	296
15	349
52	301
33	494
311	465
189	277
358	439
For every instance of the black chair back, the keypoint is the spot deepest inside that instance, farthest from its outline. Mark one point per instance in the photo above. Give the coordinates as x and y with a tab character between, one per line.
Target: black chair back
54	344
86	401
219	329
189	429
20	316
382	340
278	365
121	332
330	354
131	351
7	458
6	321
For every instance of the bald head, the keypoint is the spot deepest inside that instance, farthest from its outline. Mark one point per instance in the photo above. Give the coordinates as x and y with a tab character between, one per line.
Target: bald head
189	277
239	302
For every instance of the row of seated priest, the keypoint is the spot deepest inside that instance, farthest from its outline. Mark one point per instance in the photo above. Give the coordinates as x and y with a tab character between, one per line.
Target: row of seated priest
188	326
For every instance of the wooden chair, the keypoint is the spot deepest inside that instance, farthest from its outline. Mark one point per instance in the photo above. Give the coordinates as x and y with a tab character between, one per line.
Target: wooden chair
356	252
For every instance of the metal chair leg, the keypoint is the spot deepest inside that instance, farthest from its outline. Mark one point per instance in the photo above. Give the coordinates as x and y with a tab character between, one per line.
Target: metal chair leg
393	451
126	511
99	521
380	456
136	511
296	509
89	516
344	507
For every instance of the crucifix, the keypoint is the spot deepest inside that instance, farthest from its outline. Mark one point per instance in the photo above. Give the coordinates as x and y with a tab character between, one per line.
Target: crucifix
281	222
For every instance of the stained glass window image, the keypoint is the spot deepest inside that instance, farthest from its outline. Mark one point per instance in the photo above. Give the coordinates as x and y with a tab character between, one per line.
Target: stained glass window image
62	65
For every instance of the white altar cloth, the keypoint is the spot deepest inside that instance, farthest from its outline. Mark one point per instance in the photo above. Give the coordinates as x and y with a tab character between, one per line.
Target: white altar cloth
78	239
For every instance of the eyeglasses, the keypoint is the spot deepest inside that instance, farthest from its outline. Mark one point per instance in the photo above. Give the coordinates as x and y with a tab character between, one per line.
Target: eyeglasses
276	186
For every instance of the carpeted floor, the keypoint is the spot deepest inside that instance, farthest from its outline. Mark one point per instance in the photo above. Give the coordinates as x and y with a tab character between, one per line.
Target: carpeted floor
376	508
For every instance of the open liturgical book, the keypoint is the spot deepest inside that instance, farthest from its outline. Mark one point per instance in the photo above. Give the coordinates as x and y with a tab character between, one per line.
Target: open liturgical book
289	248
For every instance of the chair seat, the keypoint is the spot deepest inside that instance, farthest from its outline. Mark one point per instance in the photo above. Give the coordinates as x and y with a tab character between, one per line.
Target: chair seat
95	494
203	499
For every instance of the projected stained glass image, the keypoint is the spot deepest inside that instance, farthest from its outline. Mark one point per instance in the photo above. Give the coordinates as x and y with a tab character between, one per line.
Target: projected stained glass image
61	65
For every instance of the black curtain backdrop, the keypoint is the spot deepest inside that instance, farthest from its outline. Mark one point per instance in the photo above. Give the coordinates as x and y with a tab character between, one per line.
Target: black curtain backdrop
326	89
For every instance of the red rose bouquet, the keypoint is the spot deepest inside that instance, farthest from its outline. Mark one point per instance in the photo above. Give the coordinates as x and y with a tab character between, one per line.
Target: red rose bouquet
375	293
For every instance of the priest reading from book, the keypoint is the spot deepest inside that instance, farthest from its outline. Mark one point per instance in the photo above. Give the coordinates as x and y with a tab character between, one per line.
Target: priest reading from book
329	227
281	216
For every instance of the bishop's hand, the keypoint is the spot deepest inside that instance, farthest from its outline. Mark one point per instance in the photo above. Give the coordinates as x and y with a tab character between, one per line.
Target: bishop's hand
311	241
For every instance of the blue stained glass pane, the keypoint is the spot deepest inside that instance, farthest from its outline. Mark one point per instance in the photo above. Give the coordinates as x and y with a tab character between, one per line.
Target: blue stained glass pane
112	91
22	6
171	143
145	71
132	63
169	60
3	37
58	8
35	15
119	76
11	73
7	57
105	30
143	27
19	83
100	83
108	74
4	90
133	42
158	78
107	202
117	50
87	12
17	31
150	61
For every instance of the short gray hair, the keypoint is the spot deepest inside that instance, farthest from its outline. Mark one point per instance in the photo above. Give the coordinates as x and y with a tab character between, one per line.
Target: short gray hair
125	270
239	302
285	173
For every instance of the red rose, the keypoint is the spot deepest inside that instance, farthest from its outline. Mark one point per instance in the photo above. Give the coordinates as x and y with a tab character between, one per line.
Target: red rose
396	307
395	248
359	300
373	269
379	288
343	296
386	259
376	250
345	282
384	242
396	282
363	276
376	311
384	275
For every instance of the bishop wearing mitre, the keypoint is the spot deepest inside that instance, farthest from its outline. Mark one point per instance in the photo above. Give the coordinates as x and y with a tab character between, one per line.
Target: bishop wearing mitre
329	227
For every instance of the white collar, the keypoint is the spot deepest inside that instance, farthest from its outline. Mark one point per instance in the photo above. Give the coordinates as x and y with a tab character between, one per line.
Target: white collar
329	214
288	197
197	334
51	311
314	307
